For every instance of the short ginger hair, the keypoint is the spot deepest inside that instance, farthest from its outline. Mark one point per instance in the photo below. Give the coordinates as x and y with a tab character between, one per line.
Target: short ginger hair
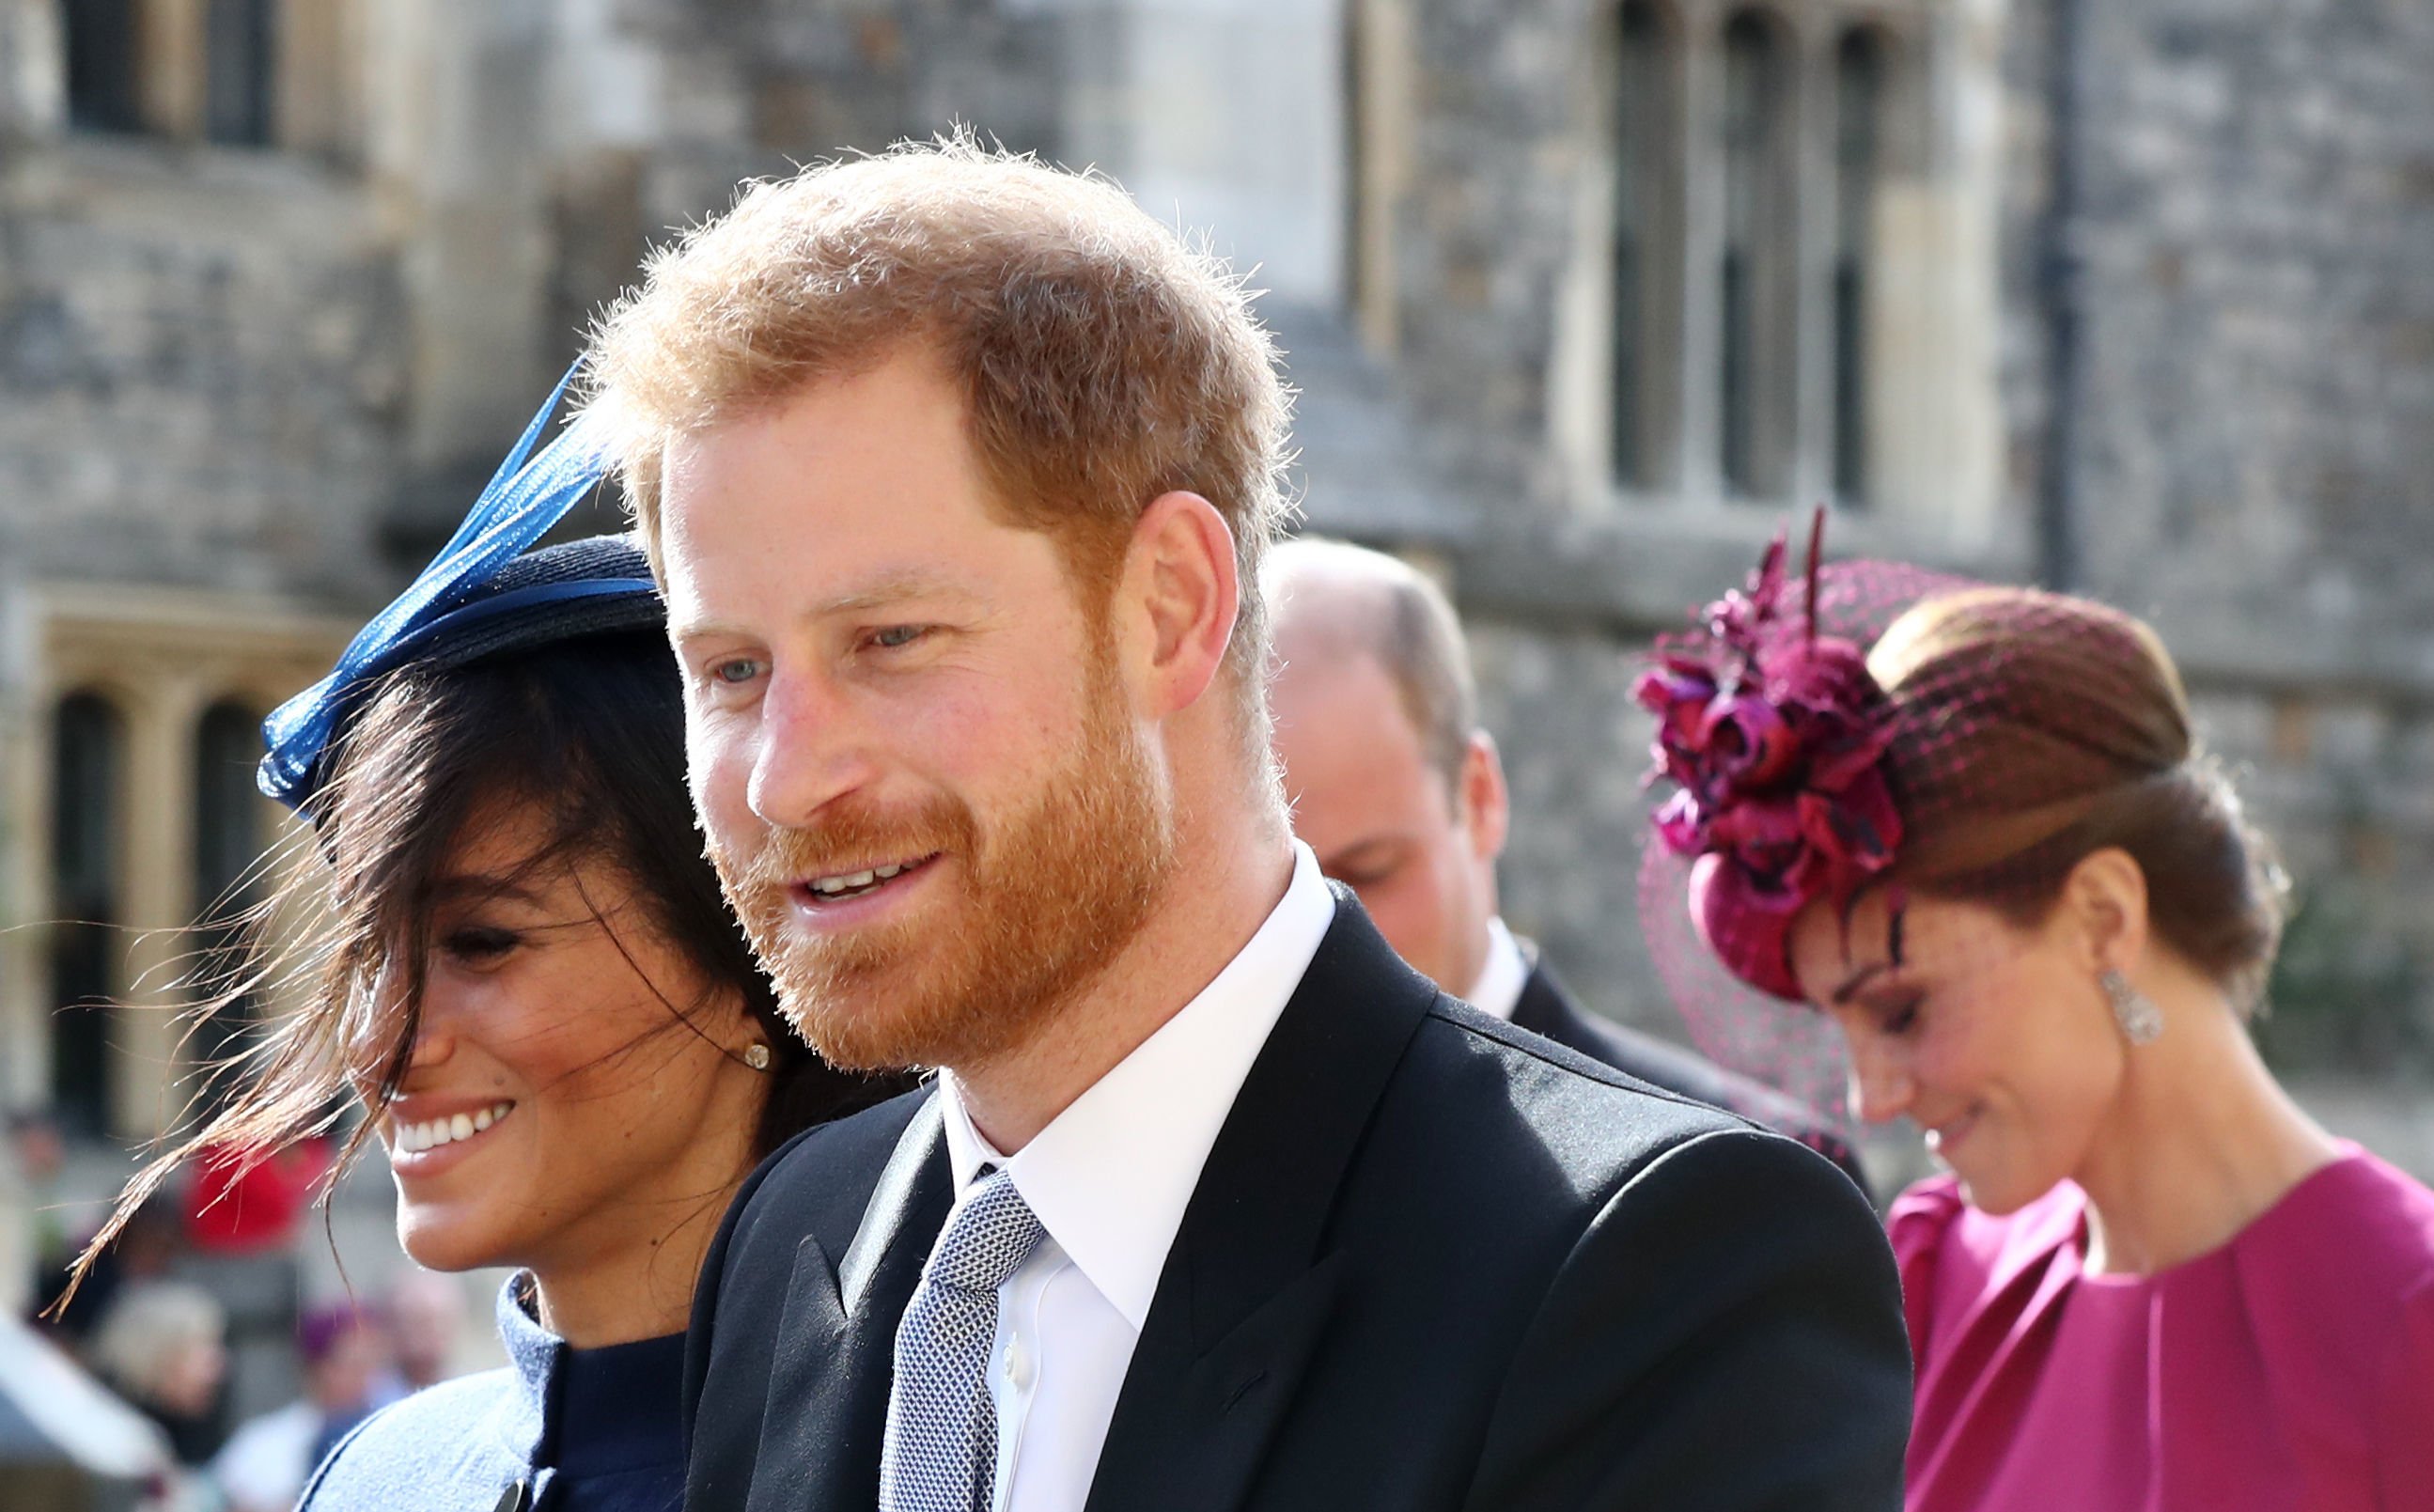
1103	361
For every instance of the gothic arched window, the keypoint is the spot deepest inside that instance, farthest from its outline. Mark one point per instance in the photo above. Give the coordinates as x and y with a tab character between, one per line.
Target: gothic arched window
1772	254
1647	283
228	841
1753	257
239	50
88	901
1859	79
103	92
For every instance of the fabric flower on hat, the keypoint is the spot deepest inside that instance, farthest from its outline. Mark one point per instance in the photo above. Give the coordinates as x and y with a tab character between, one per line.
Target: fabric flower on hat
1774	738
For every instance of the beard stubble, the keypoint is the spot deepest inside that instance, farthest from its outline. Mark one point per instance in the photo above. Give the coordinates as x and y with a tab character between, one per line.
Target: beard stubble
1048	899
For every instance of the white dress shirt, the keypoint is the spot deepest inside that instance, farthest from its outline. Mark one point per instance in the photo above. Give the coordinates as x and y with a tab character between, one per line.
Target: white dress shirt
1108	1179
1497	991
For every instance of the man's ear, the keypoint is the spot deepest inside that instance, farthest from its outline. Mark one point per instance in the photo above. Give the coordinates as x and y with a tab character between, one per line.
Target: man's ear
1487	806
2104	900
1176	601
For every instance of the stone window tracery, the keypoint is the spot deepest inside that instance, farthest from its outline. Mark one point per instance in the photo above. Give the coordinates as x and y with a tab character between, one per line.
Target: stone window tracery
103	81
235	73
1860	63
240	54
230	836
1781	293
150	842
88	898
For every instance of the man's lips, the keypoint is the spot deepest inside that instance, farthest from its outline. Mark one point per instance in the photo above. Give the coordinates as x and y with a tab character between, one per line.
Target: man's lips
834	888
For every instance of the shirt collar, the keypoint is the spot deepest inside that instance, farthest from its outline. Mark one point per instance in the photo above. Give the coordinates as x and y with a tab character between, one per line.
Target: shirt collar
1497	991
1110	1175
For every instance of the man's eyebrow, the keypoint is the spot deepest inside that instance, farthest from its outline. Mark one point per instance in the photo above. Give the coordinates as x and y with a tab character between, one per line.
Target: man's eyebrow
892	588
680	630
895	588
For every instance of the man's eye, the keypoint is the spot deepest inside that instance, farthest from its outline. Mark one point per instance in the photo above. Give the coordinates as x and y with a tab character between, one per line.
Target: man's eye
890	638
735	669
1359	877
1901	1018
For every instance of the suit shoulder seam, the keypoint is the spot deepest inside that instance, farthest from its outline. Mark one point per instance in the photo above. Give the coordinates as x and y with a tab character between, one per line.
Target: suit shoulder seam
1590	1067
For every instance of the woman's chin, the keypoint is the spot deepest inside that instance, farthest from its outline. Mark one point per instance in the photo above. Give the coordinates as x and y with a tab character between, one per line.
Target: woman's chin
446	1242
1998	1194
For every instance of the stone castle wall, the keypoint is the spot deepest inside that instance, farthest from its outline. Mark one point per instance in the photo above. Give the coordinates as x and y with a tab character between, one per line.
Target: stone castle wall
282	372
2254	425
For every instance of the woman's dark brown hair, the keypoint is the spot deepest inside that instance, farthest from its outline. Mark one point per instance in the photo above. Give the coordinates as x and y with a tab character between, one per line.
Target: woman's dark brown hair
591	732
2034	729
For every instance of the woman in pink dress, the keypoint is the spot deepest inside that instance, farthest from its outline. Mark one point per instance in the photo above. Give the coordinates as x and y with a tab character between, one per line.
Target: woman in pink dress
1984	848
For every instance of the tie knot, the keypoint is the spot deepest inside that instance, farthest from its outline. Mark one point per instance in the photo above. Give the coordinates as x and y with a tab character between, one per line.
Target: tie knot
989	1239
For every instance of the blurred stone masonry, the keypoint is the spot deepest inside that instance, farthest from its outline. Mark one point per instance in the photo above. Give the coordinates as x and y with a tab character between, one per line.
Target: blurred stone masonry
1583	300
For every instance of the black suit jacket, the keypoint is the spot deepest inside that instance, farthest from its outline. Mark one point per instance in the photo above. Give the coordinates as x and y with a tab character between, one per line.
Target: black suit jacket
1432	1263
1545	1008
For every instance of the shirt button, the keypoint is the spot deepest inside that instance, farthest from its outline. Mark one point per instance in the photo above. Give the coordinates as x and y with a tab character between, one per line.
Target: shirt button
1019	1364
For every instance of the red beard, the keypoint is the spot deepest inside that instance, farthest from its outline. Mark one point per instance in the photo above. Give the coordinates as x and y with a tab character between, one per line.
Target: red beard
1045	900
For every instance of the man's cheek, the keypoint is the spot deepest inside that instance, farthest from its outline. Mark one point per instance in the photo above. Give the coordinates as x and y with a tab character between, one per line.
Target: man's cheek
721	773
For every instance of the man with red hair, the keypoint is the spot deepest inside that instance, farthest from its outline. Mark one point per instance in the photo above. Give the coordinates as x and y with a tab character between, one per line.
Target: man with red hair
957	471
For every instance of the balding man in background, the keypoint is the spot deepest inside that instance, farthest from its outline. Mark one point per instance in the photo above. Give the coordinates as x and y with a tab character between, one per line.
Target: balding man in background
1399	792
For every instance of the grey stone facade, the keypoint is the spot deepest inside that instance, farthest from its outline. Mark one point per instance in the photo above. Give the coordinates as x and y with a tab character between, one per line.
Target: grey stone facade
2254	428
274	375
200	369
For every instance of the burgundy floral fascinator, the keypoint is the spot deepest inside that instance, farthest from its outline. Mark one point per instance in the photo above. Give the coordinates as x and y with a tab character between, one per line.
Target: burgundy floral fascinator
1773	737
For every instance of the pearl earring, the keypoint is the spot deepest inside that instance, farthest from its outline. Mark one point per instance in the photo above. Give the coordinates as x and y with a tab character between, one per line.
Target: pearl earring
2140	1020
756	1056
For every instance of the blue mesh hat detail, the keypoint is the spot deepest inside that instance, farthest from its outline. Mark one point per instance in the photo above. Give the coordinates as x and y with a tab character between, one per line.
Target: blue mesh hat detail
482	597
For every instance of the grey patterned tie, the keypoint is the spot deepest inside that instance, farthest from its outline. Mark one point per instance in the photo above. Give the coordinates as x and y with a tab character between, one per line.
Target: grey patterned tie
940	1453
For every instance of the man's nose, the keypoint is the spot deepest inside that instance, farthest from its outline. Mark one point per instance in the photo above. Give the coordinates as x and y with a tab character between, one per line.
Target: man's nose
813	746
1881	1086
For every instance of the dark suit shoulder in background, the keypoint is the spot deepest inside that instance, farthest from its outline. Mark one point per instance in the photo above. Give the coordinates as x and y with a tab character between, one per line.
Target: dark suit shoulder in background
1546	1009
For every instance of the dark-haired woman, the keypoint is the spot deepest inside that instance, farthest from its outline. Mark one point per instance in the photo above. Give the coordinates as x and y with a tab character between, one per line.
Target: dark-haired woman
1986	849
553	1025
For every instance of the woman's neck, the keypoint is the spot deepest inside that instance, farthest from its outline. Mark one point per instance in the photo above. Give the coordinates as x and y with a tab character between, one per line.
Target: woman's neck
2204	1141
635	1290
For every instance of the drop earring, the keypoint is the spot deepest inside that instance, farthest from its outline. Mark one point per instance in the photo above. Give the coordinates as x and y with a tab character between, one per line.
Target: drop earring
2140	1020
756	1056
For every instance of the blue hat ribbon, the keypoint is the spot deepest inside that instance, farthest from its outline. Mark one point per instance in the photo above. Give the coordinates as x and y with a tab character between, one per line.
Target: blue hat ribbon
526	497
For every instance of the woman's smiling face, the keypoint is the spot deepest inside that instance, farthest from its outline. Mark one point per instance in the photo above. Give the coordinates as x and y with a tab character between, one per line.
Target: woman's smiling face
1996	1040
575	1085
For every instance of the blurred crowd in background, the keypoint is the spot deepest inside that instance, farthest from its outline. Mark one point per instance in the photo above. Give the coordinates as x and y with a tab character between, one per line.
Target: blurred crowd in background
231	1379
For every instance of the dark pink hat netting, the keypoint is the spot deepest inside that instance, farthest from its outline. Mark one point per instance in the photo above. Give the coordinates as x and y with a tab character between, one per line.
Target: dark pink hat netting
1788	775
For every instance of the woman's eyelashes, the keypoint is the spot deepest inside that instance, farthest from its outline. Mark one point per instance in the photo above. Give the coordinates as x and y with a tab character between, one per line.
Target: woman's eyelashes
479	944
1899	1016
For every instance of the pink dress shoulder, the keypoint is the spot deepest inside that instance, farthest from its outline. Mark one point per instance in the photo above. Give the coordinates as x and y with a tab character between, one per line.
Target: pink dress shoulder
2290	1370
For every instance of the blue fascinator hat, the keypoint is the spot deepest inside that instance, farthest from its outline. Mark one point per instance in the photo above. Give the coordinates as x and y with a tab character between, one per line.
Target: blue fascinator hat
486	594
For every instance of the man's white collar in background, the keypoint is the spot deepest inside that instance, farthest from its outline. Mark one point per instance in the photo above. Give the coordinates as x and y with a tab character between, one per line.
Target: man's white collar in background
1110	1175
1500	980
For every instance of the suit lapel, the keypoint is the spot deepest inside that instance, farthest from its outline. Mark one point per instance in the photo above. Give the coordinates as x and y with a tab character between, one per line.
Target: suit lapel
1542	1009
826	1412
1248	1288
